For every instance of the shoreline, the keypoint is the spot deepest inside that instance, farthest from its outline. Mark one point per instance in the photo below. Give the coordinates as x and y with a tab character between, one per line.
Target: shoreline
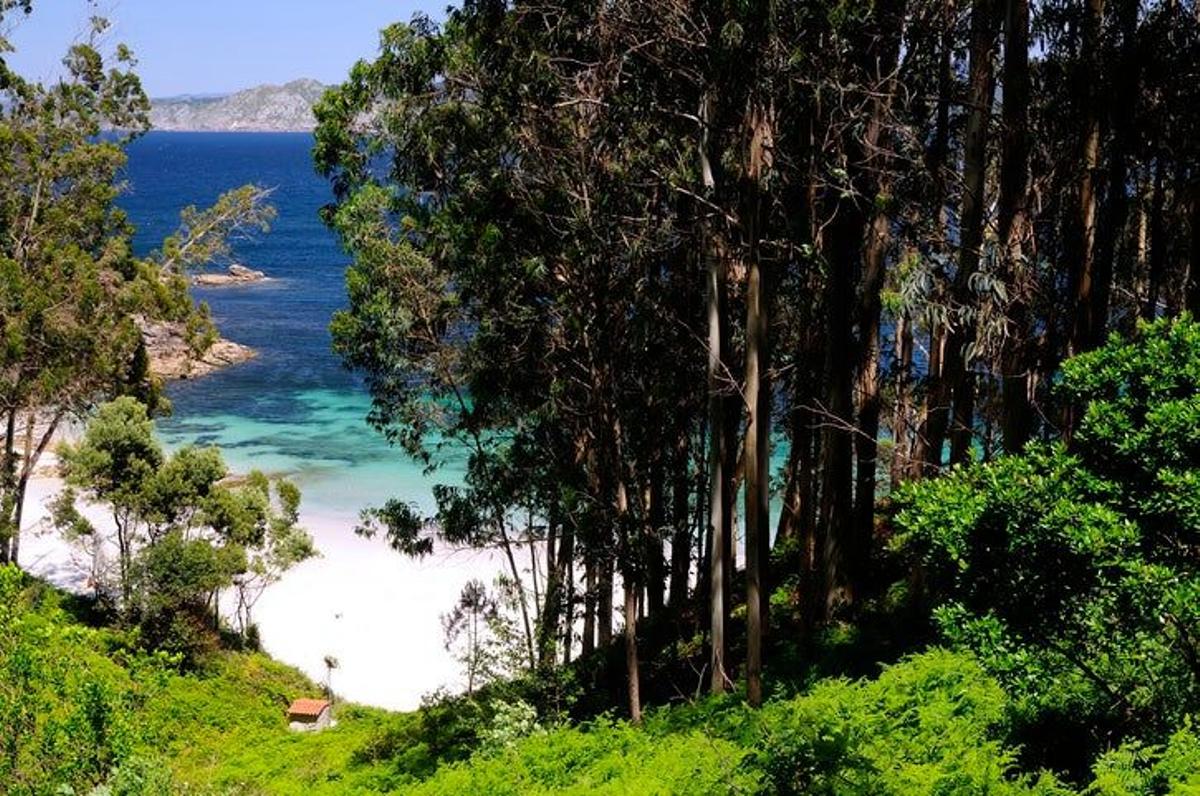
172	358
375	610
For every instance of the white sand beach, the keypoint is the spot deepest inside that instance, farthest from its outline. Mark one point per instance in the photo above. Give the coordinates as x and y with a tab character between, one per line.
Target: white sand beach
373	609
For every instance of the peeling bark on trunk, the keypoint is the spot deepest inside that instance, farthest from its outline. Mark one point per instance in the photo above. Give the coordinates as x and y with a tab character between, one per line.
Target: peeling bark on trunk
758	404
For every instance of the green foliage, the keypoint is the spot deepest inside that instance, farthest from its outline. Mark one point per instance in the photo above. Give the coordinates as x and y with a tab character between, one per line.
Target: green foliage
1071	571
85	713
511	722
180	532
70	286
1136	769
68	711
932	724
75	300
601	757
205	235
1141	427
94	717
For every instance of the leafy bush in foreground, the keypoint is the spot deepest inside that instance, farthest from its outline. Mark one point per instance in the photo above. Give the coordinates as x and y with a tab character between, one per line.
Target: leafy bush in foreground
933	724
1073	571
68	712
1136	769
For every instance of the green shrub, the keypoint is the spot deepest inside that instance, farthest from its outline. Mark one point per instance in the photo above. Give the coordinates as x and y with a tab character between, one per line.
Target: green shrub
932	724
68	712
1073	573
601	757
1137	769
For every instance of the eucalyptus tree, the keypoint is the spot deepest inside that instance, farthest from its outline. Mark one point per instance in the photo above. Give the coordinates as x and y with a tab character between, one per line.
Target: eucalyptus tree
621	239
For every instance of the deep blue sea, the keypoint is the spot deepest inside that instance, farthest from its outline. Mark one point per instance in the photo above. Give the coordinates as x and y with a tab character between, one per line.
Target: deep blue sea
294	409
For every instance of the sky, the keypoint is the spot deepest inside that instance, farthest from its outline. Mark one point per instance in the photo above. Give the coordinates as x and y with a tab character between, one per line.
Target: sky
215	46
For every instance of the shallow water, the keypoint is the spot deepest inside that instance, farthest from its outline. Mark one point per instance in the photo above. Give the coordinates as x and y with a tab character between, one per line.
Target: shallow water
293	409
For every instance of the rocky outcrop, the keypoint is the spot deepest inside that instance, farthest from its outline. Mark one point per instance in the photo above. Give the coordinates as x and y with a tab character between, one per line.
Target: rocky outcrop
286	108
172	358
235	275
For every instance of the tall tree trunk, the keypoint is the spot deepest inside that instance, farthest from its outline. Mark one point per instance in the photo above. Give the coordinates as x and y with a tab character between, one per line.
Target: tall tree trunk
758	402
935	412
522	602
719	479
29	458
1158	243
1193	285
681	538
1117	204
797	520
719	428
981	86
587	644
655	564
604	602
8	486
631	651
548	627
1081	250
1017	378
902	444
566	558
838	558
630	550
866	441
889	21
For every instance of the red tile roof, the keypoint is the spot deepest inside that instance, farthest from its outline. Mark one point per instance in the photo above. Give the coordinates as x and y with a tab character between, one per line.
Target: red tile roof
307	708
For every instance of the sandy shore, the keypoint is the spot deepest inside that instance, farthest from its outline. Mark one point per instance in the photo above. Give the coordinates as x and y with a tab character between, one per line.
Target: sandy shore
376	611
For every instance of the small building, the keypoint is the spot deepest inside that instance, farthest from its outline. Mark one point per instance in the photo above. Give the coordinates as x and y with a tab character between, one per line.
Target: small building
309	714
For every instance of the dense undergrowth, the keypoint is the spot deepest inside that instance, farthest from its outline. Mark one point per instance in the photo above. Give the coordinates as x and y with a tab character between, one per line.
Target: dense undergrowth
87	713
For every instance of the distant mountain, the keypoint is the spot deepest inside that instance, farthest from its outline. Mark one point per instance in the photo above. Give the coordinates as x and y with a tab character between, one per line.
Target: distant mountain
261	109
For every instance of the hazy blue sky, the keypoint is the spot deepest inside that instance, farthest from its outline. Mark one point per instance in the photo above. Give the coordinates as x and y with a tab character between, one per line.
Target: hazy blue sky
195	46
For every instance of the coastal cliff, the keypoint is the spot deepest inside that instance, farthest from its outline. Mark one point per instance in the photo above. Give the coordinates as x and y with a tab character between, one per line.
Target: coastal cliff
267	108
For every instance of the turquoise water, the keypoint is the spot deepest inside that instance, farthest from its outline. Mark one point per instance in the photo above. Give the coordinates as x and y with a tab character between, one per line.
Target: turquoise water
293	410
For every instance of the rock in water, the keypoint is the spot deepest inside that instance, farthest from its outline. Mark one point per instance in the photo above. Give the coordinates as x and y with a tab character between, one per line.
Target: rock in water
236	275
172	358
